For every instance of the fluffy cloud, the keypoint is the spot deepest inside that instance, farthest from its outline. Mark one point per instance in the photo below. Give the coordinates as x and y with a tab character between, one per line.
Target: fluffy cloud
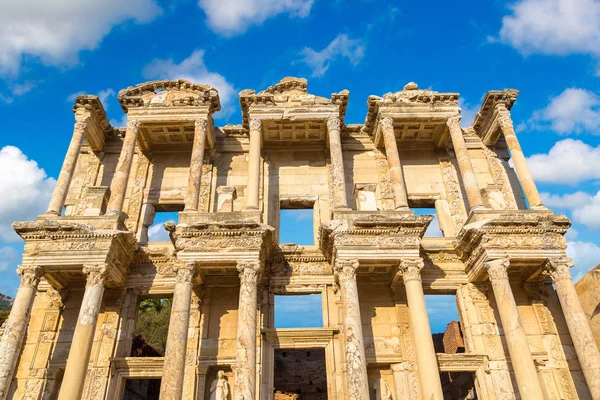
573	111
194	70
585	255
56	31
340	47
8	256
231	17
555	27
569	161
157	233
25	190
585	207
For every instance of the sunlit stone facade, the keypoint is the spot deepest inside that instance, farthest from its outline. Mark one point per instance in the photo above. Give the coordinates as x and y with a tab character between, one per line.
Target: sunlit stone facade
88	262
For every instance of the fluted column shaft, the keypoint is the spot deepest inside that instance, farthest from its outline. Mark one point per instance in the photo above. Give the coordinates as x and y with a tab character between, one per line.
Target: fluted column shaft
464	163
394	164
61	189
356	360
516	340
340	200
171	387
83	337
16	325
118	186
245	361
196	162
516	153
579	327
427	366
252	190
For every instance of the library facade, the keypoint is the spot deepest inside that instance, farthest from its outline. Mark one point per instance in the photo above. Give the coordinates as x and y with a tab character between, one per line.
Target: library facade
103	311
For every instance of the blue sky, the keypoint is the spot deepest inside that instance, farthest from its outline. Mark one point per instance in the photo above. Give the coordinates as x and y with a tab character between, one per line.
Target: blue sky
549	49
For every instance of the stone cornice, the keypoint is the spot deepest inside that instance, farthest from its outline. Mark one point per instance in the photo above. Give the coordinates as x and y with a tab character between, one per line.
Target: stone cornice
486	121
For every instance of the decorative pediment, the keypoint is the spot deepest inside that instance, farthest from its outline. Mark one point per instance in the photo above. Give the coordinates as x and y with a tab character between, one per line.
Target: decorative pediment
486	121
177	93
291	93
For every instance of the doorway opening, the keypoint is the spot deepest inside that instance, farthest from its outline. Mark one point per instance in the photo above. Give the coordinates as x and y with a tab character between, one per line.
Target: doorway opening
300	374
137	389
458	385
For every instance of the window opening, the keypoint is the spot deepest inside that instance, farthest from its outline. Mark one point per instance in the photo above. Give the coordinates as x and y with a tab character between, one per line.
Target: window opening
300	373
156	230
151	327
296	226
299	311
148	389
433	230
445	324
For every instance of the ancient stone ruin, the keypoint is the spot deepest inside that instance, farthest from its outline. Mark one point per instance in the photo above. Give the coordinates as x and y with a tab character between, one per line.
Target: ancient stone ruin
90	269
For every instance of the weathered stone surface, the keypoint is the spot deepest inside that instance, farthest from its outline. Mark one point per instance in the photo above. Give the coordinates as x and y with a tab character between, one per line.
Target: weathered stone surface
85	273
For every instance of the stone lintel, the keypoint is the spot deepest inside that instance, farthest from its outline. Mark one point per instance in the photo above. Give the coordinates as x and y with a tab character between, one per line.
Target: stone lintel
89	109
486	121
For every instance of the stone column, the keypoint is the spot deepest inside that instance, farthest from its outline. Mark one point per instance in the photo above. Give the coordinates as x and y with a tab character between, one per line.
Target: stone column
394	164
464	163
527	183
337	163
252	189
83	337
518	346
427	366
579	327
195	177
118	186
171	387
245	361
16	325
356	360
61	189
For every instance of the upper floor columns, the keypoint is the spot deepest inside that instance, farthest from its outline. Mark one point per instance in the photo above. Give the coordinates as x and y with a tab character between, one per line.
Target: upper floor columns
516	153
464	163
394	163
118	185
253	188
337	163
90	124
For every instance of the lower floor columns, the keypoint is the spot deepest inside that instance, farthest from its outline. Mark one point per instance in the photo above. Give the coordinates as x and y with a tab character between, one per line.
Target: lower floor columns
356	360
427	366
245	362
83	337
577	322
171	387
516	340
16	325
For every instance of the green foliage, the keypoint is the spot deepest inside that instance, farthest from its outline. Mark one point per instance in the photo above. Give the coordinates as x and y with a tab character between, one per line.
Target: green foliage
3	316
153	322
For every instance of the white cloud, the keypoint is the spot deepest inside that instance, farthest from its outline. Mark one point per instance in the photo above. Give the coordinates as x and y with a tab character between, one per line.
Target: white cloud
575	110
585	255
468	112
8	256
25	189
231	17
194	70
554	27
585	207
56	31
569	201
157	233
569	161
16	90
340	47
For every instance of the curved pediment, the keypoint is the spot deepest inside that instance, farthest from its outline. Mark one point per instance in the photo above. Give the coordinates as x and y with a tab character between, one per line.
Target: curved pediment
167	93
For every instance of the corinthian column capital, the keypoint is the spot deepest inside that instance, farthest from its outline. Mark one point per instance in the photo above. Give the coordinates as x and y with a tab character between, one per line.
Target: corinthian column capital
498	269
249	271
30	275
81	125
505	121
333	123
558	268
255	124
185	272
386	123
345	269
96	274
411	269
200	124
133	125
454	121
